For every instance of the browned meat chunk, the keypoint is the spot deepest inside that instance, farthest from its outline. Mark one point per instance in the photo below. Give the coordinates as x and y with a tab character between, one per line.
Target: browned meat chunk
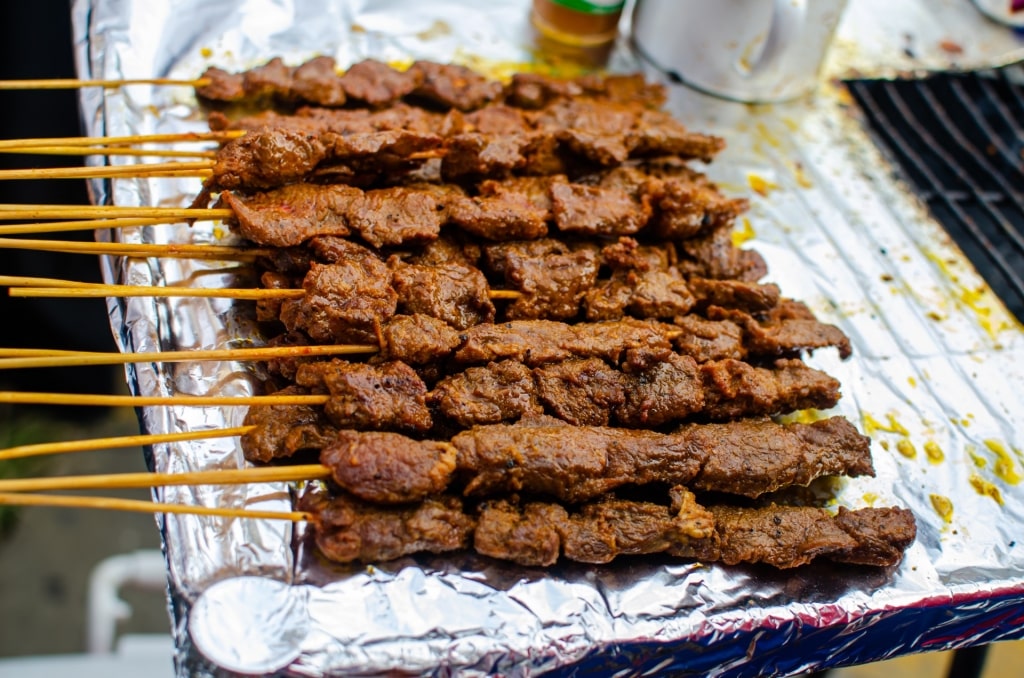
668	391
657	133
537	533
289	216
552	285
388	468
788	328
526	535
611	527
472	155
790	536
707	340
454	293
496	255
348	530
393	216
268	310
507	210
345	302
417	339
487	395
579	463
272	80
713	255
266	159
497	119
582	392
793	455
745	296
377	84
536	342
223	86
452	86
369	397
596	211
735	389
317	81
283	430
687	209
533	90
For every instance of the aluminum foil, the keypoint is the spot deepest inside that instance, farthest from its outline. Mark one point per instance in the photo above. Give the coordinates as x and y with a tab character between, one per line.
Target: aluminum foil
936	381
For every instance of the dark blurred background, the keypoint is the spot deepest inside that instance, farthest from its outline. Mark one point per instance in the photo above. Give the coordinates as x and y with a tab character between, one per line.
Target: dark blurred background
36	42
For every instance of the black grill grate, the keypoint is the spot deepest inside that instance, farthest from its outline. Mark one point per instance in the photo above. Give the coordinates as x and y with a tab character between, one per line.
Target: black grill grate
959	139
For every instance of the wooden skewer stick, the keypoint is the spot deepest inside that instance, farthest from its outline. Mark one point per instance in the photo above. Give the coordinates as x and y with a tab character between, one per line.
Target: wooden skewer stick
80	225
36	398
183	137
176	169
22	286
40	449
13	212
136	249
67	359
112	481
86	150
137	506
73	83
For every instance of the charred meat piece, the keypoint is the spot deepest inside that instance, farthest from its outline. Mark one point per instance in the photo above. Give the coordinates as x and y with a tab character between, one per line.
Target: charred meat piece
737	389
266	159
348	530
317	81
684	209
582	392
272	80
735	294
790	536
657	133
268	310
667	391
787	329
537	533
552	285
283	430
417	339
510	210
496	255
377	84
389	395
388	468
487	395
596	211
795	454
536	342
453	293
289	216
222	86
706	340
452	86
713	255
582	462
472	156
345	302
394	216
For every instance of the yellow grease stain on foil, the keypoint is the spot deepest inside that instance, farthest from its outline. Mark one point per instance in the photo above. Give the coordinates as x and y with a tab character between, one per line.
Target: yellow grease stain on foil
979	300
766	134
872	425
906	448
912	381
744	234
870	498
1004	467
934	452
760	185
943	506
979	461
986	489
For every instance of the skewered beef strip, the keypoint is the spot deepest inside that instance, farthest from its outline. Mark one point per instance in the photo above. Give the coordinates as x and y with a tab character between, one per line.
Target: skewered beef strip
389	395
499	392
283	430
578	463
348	530
791	536
787	328
537	534
453	293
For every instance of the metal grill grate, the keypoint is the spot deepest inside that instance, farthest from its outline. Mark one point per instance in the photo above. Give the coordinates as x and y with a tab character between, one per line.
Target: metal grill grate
959	139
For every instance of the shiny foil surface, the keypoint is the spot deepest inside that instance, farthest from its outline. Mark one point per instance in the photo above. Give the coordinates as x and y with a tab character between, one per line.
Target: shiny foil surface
936	380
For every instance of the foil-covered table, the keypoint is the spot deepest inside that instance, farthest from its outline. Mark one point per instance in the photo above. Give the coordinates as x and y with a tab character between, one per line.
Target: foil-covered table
936	380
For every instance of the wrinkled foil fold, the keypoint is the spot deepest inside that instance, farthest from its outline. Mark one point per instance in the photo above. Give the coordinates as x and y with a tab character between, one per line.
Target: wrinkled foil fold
936	380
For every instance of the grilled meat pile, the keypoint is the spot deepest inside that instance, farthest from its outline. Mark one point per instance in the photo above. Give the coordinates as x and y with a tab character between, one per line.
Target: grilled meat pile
554	311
